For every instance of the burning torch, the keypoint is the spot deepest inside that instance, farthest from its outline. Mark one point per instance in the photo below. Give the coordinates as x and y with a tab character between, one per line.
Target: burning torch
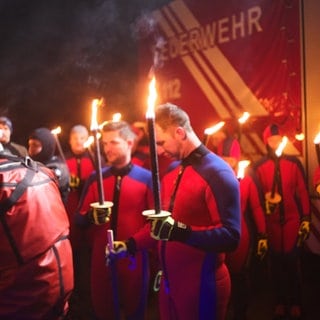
316	142
242	120
94	127
245	116
273	198
212	130
150	116
242	165
56	131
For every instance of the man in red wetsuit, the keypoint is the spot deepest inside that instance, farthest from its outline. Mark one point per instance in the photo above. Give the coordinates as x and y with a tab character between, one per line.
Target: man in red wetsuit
202	194
283	183
316	179
128	186
36	273
80	164
253	239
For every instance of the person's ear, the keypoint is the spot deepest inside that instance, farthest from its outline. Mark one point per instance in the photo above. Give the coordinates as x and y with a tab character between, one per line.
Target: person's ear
181	133
131	143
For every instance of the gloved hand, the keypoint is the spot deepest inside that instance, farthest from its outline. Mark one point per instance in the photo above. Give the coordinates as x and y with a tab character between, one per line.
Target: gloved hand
99	213
74	182
304	231
262	246
272	202
167	229
118	251
270	207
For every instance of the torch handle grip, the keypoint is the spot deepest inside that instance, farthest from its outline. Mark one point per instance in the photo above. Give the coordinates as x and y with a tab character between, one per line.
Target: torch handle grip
110	239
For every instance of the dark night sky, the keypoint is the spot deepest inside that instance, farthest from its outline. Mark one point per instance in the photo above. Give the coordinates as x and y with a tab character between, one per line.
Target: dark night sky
57	55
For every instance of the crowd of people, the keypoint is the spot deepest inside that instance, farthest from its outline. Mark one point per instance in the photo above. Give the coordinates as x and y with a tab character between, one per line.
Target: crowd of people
102	244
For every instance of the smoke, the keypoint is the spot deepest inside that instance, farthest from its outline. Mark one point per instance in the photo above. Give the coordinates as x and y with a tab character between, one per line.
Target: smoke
146	28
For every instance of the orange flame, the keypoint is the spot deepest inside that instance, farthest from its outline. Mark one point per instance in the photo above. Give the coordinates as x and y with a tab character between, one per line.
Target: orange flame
241	168
116	117
56	130
88	142
317	139
245	116
215	128
152	98
281	146
96	103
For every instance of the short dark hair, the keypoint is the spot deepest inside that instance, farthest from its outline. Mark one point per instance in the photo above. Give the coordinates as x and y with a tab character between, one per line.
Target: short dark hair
168	114
7	122
123	127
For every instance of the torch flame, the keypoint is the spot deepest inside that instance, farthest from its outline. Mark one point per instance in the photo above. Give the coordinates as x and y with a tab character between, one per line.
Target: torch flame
116	117
215	128
152	98
56	130
88	142
317	139
299	136
241	168
245	116
281	146
94	112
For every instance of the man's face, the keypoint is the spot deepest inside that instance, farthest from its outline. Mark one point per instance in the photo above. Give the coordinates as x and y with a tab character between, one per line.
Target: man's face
76	141
116	149
5	133
34	147
167	143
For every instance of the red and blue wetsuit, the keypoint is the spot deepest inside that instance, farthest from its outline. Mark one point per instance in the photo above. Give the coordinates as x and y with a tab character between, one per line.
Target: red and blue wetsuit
287	175
132	198
316	177
80	168
196	281
252	222
253	226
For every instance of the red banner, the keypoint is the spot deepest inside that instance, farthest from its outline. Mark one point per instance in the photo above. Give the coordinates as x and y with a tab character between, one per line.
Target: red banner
220	59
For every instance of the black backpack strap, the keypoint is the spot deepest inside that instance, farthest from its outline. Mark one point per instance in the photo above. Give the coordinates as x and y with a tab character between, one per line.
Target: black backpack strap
8	203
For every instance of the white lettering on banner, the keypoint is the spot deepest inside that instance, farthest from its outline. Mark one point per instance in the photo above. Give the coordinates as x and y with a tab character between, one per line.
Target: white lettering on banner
171	89
217	32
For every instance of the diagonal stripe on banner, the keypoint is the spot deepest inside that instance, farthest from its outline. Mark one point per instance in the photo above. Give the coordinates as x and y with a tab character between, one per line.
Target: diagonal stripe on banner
223	67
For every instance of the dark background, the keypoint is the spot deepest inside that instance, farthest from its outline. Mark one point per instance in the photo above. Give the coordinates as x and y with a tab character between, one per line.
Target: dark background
57	55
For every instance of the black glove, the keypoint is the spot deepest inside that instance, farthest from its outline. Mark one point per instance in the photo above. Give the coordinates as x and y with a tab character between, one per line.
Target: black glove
168	229
99	213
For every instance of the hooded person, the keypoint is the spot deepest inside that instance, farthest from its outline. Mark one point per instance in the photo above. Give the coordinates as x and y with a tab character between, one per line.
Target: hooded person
8	146
272	136
41	148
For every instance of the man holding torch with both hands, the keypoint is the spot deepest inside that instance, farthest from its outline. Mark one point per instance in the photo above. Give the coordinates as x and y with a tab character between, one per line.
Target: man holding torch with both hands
201	193
283	183
123	283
